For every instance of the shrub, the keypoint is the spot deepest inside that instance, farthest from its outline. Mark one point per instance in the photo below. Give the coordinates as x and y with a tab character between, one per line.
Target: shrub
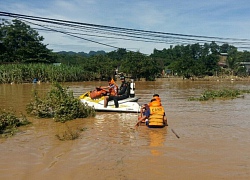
9	122
214	94
59	104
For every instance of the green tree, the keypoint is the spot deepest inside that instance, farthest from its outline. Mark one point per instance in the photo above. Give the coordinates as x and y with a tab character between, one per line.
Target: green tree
232	59
138	65
215	48
22	44
117	55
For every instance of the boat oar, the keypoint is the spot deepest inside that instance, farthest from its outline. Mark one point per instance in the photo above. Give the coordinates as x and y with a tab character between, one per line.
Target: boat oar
175	133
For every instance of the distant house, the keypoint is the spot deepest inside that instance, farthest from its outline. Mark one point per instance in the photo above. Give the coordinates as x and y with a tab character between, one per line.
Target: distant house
57	64
168	71
246	65
223	60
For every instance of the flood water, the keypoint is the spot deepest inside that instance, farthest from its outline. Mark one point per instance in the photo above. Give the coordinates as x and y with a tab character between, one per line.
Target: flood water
214	138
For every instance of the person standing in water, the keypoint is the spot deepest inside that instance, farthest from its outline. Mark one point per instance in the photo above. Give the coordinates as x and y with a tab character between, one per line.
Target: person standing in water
156	111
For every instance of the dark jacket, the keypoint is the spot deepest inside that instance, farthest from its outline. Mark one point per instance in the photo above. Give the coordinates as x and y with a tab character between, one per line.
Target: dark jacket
124	89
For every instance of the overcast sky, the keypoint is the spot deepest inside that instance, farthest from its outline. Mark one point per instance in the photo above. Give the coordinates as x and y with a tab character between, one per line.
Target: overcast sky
224	18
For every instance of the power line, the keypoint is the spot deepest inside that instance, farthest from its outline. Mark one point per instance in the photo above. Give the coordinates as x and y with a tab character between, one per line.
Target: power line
78	29
70	34
109	27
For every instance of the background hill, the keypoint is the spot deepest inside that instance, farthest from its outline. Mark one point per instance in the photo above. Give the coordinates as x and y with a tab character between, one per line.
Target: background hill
91	53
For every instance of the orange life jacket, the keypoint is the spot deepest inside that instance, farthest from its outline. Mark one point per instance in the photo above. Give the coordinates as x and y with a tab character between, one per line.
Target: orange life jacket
156	99
113	88
95	94
113	91
156	114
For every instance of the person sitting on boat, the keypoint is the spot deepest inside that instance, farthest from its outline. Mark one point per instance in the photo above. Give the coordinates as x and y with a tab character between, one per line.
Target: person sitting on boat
123	93
112	87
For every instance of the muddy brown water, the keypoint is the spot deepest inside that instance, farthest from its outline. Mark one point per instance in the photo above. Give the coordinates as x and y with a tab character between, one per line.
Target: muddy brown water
214	138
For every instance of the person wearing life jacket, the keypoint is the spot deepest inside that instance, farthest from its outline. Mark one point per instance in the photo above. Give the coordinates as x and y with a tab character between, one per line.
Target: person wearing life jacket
112	88
157	113
155	96
123	93
146	113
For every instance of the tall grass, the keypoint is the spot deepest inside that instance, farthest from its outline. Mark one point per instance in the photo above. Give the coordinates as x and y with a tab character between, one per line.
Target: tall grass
25	73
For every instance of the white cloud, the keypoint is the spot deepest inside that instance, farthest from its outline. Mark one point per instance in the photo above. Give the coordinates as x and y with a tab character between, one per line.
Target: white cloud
207	18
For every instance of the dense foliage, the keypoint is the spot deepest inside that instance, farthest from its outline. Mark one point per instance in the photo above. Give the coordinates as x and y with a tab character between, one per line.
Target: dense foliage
59	104
188	61
21	44
200	60
9	122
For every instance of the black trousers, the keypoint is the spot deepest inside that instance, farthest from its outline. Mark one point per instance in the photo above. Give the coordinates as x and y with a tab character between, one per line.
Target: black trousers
117	98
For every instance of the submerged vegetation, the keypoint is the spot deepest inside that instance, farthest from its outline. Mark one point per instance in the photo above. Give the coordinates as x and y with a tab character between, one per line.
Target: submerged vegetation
222	94
59	104
69	134
9	122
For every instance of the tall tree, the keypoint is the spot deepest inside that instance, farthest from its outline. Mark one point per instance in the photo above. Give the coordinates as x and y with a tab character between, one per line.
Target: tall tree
23	44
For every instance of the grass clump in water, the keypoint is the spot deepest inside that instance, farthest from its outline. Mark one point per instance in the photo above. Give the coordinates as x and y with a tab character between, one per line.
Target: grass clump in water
70	134
220	94
59	104
9	122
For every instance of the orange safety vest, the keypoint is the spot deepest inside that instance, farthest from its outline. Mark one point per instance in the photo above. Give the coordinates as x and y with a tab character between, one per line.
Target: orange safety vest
157	99
156	114
113	88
